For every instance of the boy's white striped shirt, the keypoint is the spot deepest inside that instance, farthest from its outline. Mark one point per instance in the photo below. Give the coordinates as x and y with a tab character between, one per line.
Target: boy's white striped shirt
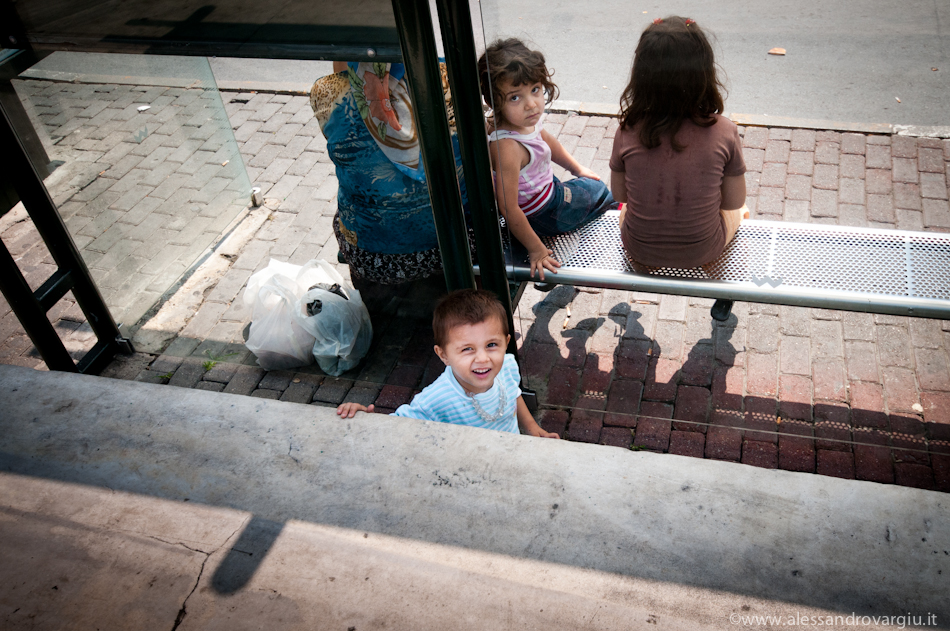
445	401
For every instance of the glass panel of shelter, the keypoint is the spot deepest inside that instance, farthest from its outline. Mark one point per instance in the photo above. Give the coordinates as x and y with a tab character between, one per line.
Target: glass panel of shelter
146	169
147	174
840	66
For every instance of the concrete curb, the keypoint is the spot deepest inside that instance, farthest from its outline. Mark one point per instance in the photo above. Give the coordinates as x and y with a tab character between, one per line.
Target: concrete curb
691	539
560	106
274	87
270	87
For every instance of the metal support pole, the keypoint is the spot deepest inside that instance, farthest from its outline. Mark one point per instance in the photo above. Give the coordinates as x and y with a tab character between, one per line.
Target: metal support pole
458	41
20	119
72	272
414	23
32	315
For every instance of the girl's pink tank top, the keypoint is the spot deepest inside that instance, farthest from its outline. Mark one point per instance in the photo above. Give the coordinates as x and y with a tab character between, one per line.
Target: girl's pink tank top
536	179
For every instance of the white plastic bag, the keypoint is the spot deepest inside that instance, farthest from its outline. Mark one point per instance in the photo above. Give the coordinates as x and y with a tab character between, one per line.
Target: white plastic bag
276	338
304	276
341	328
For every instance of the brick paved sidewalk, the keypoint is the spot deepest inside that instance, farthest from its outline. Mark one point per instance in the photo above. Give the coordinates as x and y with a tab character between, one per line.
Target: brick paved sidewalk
835	393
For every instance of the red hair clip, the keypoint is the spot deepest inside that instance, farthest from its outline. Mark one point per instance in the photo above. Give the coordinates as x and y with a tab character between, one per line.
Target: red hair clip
689	21
658	21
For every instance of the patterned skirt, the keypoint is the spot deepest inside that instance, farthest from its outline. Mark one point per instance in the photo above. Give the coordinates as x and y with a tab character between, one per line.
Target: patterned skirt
387	269
393	269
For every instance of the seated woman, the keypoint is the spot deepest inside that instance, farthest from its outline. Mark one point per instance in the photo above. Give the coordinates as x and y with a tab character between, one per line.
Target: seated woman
383	223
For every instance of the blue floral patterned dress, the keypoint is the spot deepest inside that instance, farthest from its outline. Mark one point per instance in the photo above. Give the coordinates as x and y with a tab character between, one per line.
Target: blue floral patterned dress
384	223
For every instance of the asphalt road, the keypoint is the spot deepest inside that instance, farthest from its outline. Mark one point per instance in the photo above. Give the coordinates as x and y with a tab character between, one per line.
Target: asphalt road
846	60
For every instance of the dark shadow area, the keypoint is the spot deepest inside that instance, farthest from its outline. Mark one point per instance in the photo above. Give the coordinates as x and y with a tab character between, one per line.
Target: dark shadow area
412	300
246	555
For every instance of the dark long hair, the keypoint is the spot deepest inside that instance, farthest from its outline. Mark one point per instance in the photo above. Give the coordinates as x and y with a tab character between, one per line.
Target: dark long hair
673	78
510	60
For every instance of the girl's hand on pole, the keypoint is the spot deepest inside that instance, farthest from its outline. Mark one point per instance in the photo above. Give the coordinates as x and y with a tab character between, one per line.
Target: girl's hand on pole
543	259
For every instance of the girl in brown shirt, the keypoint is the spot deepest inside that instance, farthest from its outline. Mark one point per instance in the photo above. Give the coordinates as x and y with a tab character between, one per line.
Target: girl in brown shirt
676	163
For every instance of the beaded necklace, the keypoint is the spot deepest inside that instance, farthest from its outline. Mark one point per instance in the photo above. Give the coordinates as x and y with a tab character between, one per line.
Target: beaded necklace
502	405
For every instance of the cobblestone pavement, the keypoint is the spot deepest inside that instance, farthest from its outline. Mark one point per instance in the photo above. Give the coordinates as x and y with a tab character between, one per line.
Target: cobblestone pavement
834	393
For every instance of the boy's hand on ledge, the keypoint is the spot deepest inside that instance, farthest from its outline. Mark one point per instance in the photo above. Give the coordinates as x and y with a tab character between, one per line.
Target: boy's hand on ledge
539	431
349	410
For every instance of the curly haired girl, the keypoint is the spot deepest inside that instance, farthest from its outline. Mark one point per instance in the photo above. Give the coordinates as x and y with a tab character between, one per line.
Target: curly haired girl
517	84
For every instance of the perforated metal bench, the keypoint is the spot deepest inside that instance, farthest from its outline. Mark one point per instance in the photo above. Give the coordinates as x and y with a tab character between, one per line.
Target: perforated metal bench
808	265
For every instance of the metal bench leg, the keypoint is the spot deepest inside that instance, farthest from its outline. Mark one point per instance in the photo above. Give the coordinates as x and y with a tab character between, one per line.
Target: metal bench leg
32	315
530	398
721	310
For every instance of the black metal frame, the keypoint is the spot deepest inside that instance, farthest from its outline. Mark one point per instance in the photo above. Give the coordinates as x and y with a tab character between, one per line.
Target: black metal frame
414	23
71	274
455	21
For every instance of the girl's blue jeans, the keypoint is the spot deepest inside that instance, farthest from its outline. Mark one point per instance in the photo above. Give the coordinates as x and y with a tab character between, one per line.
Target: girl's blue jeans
574	204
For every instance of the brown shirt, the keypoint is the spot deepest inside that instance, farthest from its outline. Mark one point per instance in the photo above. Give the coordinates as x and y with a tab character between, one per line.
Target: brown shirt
673	198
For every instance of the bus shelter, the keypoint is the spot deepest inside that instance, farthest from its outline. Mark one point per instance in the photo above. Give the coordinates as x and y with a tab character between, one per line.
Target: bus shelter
376	30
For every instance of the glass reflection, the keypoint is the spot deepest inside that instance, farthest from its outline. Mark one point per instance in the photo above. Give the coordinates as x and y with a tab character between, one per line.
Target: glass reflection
148	174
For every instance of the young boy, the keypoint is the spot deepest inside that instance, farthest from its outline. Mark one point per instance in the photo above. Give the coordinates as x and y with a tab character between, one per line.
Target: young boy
479	387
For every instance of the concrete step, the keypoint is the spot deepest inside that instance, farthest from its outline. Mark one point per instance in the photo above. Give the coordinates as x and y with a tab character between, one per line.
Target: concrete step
132	505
